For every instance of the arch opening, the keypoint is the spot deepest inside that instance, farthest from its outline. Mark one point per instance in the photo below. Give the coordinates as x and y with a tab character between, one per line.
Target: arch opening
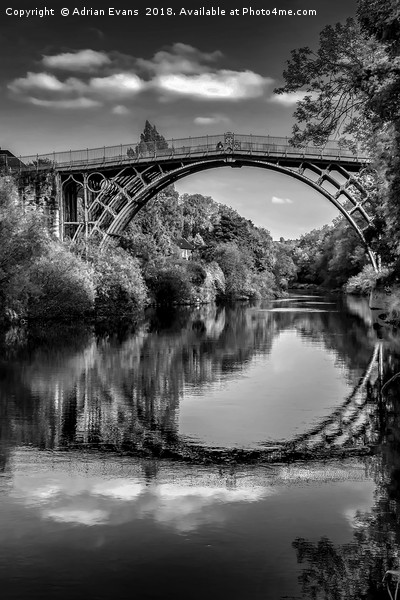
130	203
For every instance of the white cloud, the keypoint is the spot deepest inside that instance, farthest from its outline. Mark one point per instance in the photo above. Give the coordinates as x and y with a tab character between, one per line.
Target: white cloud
119	489
43	89
92	500
212	120
120	109
215	494
83	60
186	71
71	103
78	516
45	83
221	85
179	71
117	84
180	58
36	81
291	99
277	200
185	506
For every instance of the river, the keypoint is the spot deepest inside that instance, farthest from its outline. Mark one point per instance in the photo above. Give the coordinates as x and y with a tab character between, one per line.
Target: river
247	452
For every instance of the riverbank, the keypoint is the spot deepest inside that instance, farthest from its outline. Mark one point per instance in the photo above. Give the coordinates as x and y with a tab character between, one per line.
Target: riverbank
181	250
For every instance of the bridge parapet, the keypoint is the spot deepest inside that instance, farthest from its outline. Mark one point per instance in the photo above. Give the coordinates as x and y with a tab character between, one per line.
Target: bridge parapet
204	146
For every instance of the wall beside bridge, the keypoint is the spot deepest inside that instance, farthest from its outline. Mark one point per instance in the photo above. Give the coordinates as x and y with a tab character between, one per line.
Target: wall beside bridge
42	190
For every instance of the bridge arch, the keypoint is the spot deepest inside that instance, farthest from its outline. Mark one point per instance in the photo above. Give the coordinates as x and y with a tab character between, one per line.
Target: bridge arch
114	227
114	183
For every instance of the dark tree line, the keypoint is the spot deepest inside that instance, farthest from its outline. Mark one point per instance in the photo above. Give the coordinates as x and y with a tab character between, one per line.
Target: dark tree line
352	90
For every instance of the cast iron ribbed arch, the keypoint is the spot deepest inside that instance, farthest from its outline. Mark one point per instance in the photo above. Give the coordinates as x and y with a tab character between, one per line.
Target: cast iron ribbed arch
115	190
114	206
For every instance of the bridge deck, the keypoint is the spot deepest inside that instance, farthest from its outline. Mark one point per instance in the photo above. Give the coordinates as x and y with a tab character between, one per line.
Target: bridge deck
189	149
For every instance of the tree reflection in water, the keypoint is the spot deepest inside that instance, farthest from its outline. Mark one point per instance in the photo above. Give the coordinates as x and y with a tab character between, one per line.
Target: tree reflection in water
88	388
356	571
122	390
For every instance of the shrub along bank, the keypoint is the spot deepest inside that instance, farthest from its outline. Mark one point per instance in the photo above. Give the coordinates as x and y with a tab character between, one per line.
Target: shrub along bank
41	278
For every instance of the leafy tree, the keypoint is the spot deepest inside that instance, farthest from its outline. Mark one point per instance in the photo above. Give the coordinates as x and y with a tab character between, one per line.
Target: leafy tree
199	214
343	84
351	84
151	140
327	256
364	282
284	268
119	284
236	267
169	283
380	20
61	285
255	243
23	238
153	231
307	253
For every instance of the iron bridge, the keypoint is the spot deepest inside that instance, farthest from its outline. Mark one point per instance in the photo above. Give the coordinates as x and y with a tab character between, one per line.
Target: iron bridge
102	189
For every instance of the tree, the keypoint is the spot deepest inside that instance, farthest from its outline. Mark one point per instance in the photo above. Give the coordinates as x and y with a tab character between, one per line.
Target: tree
284	268
23	238
346	83
236	267
151	140
380	20
61	285
199	214
351	85
119	284
153	231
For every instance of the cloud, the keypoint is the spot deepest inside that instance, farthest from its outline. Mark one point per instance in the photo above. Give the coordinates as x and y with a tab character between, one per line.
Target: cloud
117	84
44	89
175	72
77	516
46	83
287	99
221	85
87	498
120	109
36	81
83	60
119	489
277	200
72	103
212	120
183	70
180	58
186	507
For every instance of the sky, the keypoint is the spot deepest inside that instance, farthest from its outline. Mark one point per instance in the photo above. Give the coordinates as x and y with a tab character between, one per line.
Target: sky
88	80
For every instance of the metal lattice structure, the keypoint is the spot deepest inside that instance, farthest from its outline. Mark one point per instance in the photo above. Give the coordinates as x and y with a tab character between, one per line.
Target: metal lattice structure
103	189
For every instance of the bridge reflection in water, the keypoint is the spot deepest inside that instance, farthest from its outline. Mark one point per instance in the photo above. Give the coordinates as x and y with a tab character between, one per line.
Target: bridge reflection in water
97	517
124	395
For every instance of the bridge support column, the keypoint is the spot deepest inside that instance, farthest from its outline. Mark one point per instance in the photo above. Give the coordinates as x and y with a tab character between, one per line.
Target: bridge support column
57	218
86	207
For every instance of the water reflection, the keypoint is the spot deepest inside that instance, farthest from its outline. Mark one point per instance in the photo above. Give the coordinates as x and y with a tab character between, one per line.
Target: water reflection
356	570
174	496
78	520
211	377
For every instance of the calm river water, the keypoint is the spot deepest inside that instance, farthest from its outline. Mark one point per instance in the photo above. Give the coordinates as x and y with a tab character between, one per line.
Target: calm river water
245	452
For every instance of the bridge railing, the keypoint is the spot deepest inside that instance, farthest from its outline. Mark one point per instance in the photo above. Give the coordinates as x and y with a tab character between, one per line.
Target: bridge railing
200	146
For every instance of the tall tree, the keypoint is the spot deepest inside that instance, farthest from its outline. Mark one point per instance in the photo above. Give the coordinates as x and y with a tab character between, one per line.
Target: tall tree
151	140
351	85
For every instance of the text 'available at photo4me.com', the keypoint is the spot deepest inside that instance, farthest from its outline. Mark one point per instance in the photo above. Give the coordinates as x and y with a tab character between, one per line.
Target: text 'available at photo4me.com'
158	11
